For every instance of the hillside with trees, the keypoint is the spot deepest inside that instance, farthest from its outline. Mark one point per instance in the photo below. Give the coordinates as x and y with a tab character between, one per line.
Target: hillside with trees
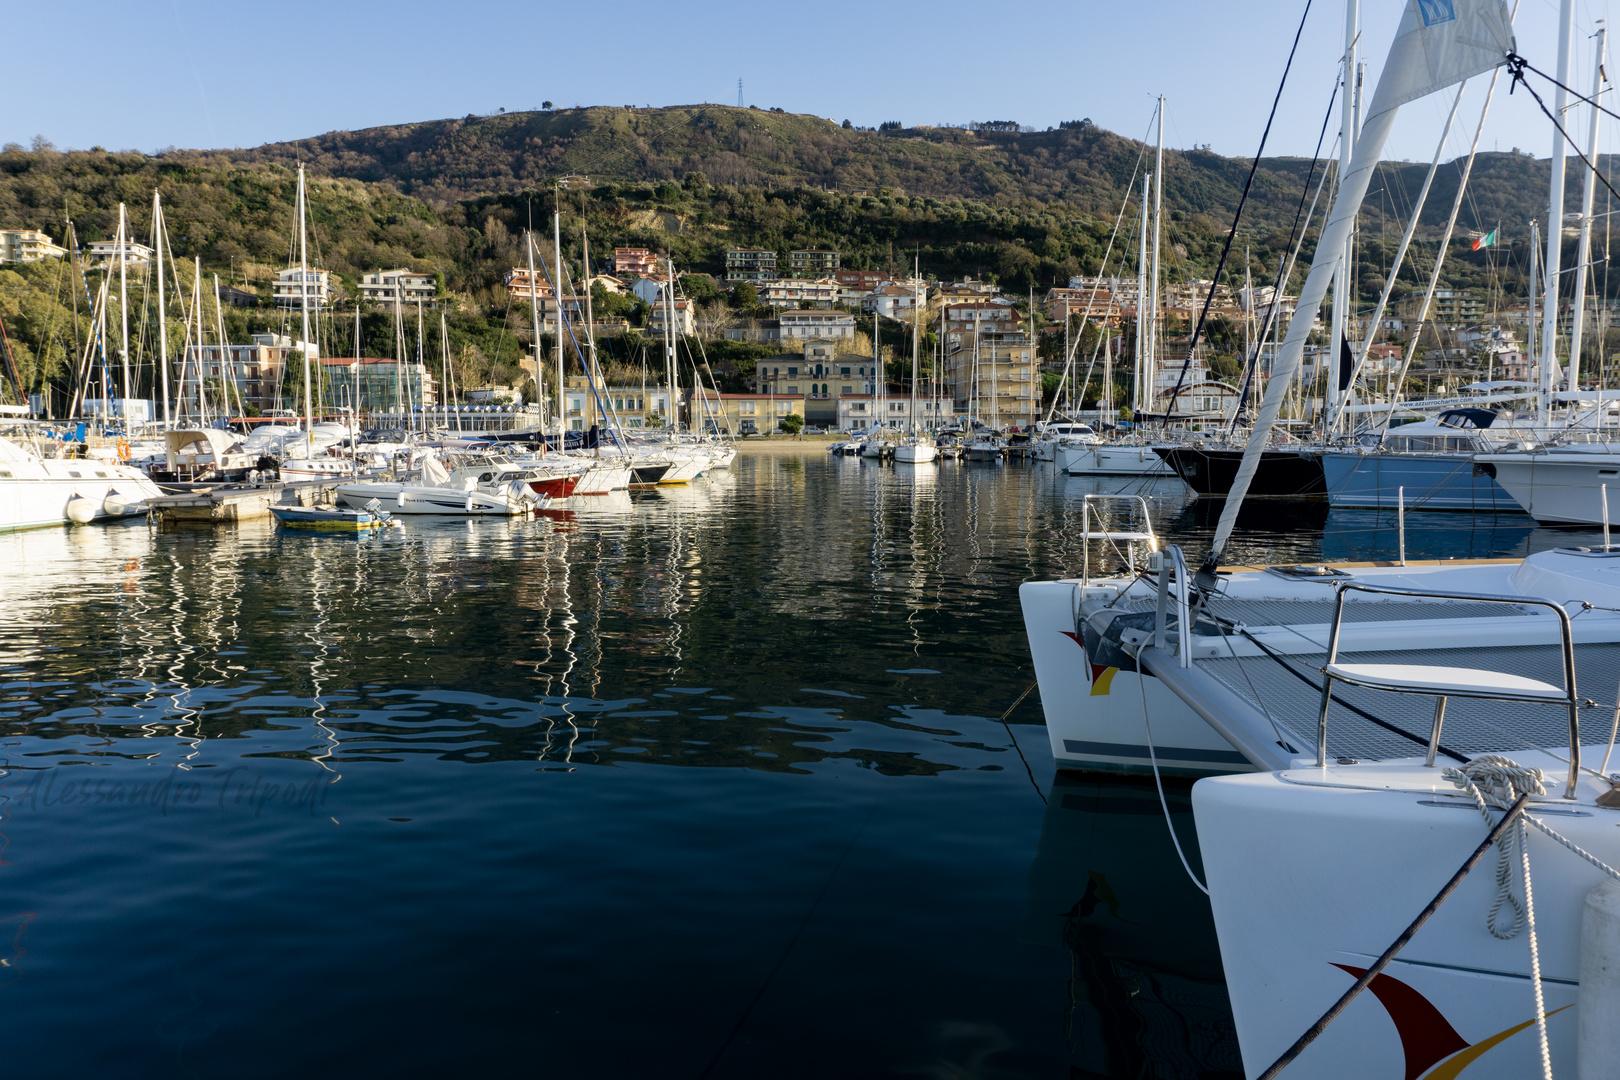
453	198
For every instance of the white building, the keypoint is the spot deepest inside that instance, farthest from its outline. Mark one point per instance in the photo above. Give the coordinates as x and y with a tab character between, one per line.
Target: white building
799	293
898	300
827	325
649	288
27	245
658	318
407	286
104	252
290	287
894	411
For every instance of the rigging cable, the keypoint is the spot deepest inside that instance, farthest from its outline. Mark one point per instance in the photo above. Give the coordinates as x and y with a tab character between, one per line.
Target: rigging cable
1226	251
1285	267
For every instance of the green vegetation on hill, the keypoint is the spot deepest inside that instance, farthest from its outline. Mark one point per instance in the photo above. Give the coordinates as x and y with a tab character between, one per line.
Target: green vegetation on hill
453	197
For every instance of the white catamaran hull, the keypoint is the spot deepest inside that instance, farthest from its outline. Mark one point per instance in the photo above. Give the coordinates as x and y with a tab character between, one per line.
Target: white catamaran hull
1313	873
1093	700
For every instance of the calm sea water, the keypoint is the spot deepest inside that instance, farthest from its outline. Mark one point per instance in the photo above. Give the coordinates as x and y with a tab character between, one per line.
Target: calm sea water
704	781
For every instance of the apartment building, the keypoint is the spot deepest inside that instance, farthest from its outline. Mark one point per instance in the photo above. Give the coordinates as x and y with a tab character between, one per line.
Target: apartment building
750	264
660	317
992	316
102	253
799	293
634	407
824	325
27	245
291	285
634	261
863	411
406	286
726	412
994	378
853	285
896	300
812	263
239	377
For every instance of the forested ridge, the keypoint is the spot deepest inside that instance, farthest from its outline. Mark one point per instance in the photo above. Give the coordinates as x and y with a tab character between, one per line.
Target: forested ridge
453	197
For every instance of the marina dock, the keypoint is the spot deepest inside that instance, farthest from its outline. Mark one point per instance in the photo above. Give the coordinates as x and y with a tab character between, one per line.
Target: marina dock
237	503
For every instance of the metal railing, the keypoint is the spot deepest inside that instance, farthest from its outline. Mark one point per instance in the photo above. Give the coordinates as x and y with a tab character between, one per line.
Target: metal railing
1569	696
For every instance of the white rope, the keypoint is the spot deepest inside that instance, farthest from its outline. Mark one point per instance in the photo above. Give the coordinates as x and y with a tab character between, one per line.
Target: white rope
1523	833
1576	848
1153	757
1496	781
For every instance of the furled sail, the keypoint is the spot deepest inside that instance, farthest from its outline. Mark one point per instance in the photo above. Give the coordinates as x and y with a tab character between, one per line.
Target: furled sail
1439	43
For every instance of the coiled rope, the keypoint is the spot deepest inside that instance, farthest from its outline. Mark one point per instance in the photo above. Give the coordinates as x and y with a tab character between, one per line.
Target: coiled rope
1495	781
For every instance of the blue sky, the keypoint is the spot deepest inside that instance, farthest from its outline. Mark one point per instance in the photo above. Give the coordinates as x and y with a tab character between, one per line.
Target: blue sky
185	73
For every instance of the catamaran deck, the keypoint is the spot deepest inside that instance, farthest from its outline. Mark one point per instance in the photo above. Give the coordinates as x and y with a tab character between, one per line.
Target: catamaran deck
1283	680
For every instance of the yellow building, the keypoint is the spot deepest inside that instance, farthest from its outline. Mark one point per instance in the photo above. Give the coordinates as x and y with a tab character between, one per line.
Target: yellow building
734	412
995	378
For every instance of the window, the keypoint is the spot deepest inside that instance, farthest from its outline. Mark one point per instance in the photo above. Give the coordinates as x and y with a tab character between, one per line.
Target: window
793	389
746	408
845	373
793	371
844	389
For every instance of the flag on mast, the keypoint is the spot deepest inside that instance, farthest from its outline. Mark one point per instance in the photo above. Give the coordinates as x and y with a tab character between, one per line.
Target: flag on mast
1485	241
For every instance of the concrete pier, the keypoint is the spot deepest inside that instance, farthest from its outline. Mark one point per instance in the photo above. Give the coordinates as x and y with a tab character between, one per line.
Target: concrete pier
230	503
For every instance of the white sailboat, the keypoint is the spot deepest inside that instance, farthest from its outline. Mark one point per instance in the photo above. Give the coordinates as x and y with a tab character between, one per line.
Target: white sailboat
917	447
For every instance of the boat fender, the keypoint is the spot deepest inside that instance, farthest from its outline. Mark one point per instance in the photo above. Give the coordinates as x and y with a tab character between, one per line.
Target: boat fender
81	510
117	504
1598	1035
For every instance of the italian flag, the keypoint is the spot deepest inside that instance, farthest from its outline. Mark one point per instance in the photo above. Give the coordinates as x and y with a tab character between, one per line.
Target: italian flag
1485	241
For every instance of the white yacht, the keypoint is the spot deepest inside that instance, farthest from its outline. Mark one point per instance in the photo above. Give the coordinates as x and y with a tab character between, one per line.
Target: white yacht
1061	433
1578	484
1111	459
496	488
37	491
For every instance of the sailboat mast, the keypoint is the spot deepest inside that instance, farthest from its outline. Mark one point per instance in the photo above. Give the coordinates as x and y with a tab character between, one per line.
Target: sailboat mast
123	299
593	372
304	342
1555	212
916	341
1347	139
534	314
669	341
163	323
1140	367
1153	279
879	382
557	287
1578	311
196	306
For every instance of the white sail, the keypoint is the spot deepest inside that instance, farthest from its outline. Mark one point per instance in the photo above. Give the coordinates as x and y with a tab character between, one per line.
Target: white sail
1439	43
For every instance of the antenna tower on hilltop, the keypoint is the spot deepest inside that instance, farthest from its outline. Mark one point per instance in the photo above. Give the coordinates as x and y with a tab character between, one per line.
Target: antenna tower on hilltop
739	92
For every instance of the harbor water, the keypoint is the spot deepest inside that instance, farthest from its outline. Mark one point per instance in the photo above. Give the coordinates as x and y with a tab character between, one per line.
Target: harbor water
701	781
